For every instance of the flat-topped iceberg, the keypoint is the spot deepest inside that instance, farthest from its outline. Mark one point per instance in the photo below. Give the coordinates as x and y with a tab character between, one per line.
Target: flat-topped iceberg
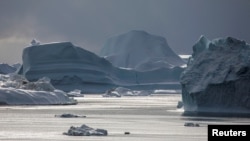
217	77
70	67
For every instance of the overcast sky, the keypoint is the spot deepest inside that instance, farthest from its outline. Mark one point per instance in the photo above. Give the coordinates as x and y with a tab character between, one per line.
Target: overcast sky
88	23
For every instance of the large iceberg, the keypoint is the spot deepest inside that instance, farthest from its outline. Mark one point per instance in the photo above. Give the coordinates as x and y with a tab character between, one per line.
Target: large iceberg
217	77
70	67
141	51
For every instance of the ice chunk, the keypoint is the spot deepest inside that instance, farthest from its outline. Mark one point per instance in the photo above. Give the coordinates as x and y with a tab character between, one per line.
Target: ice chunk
67	115
190	124
120	91
75	93
85	130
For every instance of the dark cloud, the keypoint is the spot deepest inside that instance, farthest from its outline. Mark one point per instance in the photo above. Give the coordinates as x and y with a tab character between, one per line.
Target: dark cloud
88	23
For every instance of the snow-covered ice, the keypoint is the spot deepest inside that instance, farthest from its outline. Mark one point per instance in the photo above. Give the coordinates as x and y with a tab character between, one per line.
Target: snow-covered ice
217	77
16	90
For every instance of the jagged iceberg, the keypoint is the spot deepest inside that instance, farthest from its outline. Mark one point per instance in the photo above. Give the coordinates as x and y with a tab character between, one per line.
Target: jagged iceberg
141	51
217	77
70	67
85	130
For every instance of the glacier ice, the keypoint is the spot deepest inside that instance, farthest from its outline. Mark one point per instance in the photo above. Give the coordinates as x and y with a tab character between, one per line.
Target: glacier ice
70	67
217	77
141	51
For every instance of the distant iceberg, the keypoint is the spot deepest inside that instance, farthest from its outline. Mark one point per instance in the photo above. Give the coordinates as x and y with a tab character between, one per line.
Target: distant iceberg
217	77
141	51
6	69
70	67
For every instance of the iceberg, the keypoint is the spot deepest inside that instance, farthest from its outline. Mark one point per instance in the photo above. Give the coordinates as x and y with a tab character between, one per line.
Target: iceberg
6	69
85	130
217	77
141	51
16	90
70	67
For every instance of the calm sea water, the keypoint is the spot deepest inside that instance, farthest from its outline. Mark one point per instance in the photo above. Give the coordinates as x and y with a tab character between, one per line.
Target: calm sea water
151	118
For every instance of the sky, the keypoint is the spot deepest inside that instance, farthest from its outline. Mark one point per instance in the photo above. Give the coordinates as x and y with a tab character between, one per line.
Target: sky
89	23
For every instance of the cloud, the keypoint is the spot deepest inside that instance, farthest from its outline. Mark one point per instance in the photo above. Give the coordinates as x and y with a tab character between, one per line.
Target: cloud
88	23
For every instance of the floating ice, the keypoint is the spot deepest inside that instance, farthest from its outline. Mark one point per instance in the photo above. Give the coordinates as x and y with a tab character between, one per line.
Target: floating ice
190	124
70	67
16	90
85	130
67	115
120	91
141	51
217	77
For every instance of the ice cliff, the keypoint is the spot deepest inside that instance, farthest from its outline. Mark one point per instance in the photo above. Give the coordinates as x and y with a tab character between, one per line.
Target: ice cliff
217	77
141	51
70	67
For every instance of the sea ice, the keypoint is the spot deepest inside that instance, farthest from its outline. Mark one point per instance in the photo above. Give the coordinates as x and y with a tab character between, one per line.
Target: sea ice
85	130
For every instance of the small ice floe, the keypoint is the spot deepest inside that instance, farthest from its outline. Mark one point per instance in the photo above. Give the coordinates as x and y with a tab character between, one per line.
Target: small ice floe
85	130
111	93
75	93
190	124
179	104
70	116
120	91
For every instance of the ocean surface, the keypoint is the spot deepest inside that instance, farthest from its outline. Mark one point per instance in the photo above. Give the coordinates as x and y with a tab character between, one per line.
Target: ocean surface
147	118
